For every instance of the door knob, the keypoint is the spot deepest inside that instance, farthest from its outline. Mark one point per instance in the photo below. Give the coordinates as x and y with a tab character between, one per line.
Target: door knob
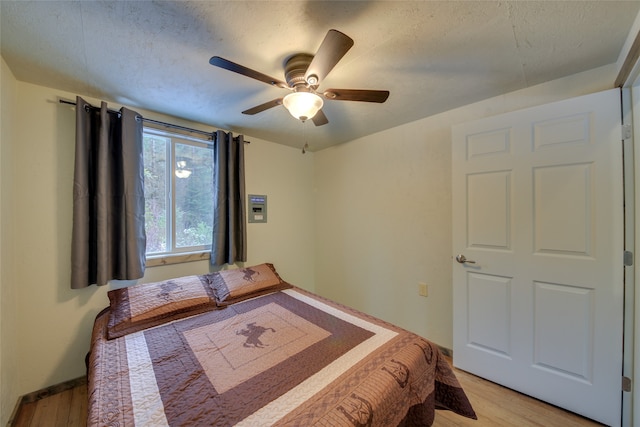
463	259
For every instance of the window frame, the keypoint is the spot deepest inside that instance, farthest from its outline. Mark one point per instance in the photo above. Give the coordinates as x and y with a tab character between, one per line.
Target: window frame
174	254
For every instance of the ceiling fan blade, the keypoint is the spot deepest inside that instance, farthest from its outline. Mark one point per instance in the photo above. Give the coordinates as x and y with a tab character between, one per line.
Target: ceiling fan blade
332	49
320	119
240	69
363	95
260	108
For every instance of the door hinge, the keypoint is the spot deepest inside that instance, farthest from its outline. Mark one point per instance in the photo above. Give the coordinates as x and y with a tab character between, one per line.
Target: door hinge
628	258
627	131
626	384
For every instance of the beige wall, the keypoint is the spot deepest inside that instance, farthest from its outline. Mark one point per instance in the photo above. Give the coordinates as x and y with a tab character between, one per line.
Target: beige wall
383	206
54	321
8	358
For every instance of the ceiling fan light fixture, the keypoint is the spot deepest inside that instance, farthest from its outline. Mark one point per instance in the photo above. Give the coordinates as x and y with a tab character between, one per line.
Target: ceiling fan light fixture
302	105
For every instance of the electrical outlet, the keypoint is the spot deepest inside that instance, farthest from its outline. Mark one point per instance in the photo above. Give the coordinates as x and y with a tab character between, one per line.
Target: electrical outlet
423	290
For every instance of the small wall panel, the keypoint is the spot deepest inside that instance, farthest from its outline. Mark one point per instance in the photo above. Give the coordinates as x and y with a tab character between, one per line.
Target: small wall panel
489	210
563	335
563	205
489	312
560	132
488	144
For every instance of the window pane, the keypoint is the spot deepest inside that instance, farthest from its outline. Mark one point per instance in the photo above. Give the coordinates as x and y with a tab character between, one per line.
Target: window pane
193	196
155	192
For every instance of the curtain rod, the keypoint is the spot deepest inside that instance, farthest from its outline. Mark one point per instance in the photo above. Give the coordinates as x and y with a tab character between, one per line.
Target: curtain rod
157	122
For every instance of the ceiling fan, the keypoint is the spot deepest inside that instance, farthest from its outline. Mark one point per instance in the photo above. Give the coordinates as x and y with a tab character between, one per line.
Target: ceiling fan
303	74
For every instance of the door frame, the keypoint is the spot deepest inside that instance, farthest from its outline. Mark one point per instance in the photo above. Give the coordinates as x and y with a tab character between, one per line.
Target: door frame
628	80
631	298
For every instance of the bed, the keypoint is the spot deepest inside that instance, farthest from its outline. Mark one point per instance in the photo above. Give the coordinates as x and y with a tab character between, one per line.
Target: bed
243	347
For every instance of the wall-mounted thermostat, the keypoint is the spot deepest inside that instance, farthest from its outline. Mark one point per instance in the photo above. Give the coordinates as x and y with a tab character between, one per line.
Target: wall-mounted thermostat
257	208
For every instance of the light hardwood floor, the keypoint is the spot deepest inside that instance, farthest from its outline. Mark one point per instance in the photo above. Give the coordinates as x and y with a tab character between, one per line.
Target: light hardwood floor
494	405
499	406
64	405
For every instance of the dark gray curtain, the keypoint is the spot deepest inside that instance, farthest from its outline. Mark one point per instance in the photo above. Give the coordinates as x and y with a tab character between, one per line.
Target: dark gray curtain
229	242
108	240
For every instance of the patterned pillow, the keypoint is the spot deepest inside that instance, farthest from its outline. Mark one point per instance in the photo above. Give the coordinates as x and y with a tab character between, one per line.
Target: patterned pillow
146	305
231	286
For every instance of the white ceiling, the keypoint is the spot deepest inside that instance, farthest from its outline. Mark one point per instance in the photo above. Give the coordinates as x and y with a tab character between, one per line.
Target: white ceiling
431	55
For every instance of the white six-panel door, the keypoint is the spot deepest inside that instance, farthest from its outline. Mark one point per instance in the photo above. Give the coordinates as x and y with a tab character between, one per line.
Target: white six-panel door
537	204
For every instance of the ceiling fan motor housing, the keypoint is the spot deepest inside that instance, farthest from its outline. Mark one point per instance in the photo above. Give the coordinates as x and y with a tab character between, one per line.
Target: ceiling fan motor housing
295	68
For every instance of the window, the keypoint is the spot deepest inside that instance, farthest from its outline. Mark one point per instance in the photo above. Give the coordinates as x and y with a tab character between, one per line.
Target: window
178	186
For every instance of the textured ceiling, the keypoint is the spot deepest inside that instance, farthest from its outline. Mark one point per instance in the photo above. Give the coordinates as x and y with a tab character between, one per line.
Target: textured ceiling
431	55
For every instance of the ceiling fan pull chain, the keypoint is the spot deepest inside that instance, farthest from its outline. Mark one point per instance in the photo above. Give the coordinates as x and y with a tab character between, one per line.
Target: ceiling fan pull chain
305	147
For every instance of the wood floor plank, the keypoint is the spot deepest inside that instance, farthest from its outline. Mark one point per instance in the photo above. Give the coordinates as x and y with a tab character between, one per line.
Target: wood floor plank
46	409
24	415
63	408
78	413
